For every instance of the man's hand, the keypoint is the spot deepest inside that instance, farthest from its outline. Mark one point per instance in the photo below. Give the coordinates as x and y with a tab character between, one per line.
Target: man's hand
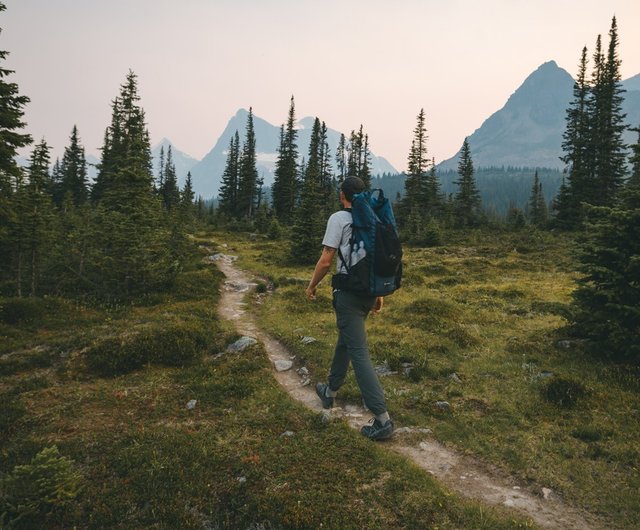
377	306
310	292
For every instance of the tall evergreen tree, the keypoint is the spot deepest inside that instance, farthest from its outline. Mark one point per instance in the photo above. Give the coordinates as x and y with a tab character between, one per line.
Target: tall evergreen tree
73	170
309	225
537	204
577	148
467	200
285	185
34	225
611	149
228	193
341	159
170	191
161	171
132	251
418	162
11	139
248	181
359	157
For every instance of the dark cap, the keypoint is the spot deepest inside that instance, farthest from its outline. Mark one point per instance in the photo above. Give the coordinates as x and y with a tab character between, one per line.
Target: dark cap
352	185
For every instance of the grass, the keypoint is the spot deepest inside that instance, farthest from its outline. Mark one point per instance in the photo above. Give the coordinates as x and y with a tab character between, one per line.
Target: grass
489	307
130	454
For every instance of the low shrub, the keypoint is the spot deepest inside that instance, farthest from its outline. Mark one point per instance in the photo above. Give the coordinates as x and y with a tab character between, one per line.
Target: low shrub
175	344
21	310
30	492
562	392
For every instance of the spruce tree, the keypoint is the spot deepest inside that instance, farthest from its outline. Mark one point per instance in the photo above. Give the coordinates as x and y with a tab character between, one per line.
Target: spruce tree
537	205
413	205
577	149
170	191
11	139
73	170
285	185
35	220
131	251
341	159
248	181
359	157
308	229
611	150
467	200
160	186
228	193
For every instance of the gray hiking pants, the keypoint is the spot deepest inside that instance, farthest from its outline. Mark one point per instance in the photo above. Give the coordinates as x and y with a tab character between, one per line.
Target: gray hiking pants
351	312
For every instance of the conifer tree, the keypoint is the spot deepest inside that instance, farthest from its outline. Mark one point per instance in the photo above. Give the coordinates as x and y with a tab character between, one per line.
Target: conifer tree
634	160
187	195
285	185
11	139
228	193
433	201
359	157
248	181
467	200
577	153
131	250
341	159
308	229
34	233
73	170
537	205
170	191
161	171
415	186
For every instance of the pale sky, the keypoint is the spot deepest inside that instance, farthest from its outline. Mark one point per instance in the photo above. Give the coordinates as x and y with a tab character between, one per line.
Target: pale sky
349	62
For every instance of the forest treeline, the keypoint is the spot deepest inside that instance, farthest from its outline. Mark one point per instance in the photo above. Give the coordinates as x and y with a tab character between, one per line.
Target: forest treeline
125	235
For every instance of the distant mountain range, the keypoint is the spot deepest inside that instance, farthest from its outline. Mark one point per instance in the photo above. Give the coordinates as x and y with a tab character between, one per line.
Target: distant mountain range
527	131
207	174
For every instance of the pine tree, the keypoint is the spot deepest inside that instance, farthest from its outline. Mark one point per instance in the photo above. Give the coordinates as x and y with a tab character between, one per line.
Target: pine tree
131	250
607	300
73	170
577	153
248	181
341	159
285	185
359	157
11	139
611	150
467	200
160	186
309	225
228	193
170	191
413	205
537	204
34	227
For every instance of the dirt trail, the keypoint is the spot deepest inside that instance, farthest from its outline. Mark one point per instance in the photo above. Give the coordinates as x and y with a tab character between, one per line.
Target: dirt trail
462	474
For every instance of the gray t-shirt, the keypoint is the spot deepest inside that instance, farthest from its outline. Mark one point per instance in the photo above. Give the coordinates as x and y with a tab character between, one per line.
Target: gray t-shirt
337	235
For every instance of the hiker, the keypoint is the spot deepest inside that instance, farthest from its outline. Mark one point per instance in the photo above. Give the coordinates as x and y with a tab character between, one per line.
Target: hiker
351	311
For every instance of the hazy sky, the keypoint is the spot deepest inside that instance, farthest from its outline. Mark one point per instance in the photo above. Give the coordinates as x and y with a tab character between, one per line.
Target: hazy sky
349	62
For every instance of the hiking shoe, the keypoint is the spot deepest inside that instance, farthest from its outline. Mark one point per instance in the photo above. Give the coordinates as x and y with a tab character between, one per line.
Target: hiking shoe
321	390
378	431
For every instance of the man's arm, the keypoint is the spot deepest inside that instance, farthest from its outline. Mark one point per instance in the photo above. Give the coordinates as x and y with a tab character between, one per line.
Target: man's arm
322	267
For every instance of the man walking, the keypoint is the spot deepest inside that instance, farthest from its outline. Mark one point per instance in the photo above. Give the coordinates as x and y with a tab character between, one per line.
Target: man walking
351	311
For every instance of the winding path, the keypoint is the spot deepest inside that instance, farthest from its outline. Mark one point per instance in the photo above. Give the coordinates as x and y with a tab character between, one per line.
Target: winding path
462	474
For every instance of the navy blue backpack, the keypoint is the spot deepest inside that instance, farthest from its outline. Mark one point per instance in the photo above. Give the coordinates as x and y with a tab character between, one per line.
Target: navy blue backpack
374	263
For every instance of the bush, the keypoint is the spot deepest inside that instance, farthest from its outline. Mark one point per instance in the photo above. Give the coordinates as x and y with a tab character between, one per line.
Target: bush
33	490
176	344
562	392
21	310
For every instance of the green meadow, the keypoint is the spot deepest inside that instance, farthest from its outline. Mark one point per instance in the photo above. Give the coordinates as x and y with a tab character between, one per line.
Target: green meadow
96	431
479	323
